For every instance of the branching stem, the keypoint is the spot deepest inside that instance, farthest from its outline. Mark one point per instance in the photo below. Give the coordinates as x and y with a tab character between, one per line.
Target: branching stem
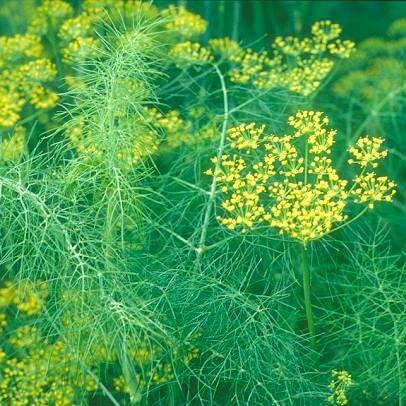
212	192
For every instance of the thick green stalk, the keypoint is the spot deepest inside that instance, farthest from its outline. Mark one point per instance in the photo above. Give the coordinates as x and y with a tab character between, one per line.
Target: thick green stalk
307	295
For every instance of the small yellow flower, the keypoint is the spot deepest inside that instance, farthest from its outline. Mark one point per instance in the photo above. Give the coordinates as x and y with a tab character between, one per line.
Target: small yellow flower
341	382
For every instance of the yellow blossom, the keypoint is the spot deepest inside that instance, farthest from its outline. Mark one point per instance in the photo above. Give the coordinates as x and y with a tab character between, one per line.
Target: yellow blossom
299	65
225	47
12	148
289	181
341	382
367	152
190	53
184	22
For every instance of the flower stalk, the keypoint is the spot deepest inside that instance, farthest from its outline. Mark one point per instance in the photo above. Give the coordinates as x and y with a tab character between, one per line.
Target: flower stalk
307	295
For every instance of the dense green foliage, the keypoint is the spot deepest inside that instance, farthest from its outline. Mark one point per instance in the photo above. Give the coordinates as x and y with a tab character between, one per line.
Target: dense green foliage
167	179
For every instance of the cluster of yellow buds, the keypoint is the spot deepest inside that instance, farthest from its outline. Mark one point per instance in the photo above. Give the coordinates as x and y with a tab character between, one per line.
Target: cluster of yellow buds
370	189
225	47
398	28
377	69
49	16
190	53
245	137
299	65
43	98
80	26
49	380
24	73
367	152
25	337
182	21
19	48
78	40
12	148
289	181
81	49
3	323
120	11
341	382
177	131
251	66
29	297
93	149
11	104
46	383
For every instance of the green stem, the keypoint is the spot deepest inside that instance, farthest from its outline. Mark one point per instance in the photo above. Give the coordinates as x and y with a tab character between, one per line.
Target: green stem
306	162
120	345
212	193
307	295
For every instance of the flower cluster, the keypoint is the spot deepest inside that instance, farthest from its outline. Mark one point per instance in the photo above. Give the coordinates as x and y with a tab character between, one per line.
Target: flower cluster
251	65
37	378
182	21
341	382
370	188
49	16
28	75
367	152
28	297
398	28
190	53
19	48
77	38
153	366
225	47
3	323
289	181
92	148
24	77
299	65
33	369
376	70
180	131
12	148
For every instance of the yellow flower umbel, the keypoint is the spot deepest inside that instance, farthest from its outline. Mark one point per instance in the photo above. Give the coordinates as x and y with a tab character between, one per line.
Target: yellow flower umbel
12	148
23	75
185	23
339	385
225	47
375	74
28	297
290	182
297	64
49	15
190	53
